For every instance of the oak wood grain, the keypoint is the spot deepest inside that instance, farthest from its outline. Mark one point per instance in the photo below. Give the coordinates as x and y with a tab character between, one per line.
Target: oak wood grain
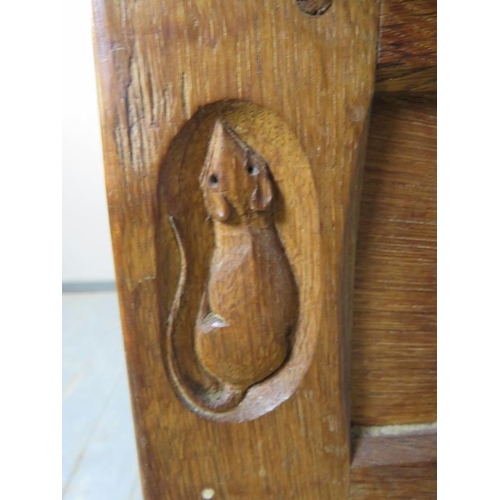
407	58
157	63
394	334
250	255
241	337
394	467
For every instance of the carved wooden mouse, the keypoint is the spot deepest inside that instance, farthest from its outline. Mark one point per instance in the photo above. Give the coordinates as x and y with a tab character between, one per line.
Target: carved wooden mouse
248	312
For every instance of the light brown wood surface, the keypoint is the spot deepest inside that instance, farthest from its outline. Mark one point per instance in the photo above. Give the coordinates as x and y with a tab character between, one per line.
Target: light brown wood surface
241	336
244	323
394	467
394	335
157	64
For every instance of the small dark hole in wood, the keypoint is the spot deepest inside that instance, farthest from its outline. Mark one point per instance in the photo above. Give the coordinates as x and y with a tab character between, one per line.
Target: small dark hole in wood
314	7
213	179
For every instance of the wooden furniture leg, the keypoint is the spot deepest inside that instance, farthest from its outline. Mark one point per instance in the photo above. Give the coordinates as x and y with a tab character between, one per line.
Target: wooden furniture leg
234	138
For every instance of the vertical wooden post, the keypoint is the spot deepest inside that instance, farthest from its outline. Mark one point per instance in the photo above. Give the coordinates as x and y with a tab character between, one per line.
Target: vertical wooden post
312	77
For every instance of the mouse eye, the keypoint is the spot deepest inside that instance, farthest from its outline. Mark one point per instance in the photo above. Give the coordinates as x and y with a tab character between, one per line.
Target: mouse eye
252	170
214	180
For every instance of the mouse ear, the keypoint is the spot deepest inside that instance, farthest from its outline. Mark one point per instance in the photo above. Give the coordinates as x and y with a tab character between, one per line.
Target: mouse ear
217	205
262	194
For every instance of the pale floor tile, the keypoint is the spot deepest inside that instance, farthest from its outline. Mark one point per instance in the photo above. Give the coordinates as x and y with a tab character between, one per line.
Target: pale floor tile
99	454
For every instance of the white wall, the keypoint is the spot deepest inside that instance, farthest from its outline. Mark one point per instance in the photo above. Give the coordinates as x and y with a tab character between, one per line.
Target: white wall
86	239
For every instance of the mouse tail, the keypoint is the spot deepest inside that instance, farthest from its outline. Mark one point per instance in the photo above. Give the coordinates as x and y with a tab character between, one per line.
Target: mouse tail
223	397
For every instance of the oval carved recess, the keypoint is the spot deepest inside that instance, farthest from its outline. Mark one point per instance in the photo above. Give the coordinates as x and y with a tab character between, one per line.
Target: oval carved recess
238	201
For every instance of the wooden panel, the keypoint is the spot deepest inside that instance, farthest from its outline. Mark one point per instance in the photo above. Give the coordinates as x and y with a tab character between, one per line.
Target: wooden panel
394	336
395	467
158	62
407	59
